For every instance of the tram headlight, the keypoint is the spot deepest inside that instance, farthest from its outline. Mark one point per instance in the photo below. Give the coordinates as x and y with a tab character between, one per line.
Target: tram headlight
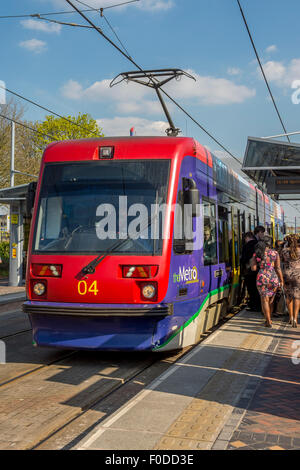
149	291
39	288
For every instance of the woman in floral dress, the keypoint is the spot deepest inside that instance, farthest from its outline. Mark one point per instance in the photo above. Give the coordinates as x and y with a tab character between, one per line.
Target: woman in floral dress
291	273
269	277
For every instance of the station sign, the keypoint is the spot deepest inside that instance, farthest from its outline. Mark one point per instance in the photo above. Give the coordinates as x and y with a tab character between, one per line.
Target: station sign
14	219
284	185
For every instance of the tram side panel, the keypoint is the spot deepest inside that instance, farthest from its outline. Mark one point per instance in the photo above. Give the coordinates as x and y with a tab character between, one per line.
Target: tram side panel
198	283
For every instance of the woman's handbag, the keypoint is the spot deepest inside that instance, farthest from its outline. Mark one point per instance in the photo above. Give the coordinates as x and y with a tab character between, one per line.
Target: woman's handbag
280	305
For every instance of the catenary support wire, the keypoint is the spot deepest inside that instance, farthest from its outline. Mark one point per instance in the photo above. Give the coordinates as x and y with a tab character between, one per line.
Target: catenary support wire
139	68
262	69
27	127
48	110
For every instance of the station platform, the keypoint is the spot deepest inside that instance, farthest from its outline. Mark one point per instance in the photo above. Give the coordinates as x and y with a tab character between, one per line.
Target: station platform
9	294
237	390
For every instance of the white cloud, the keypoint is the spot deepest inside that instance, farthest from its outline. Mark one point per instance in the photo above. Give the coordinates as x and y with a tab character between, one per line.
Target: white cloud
210	90
275	71
282	75
132	98
72	90
155	5
234	71
120	126
271	49
34	45
39	25
125	98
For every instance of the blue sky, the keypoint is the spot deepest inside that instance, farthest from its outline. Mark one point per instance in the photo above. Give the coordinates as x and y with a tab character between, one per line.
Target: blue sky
69	69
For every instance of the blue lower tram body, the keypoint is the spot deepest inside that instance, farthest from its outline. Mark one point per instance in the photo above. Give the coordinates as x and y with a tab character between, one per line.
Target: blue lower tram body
147	331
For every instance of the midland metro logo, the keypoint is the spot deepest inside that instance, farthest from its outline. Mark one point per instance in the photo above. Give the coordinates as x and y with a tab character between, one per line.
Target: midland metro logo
187	275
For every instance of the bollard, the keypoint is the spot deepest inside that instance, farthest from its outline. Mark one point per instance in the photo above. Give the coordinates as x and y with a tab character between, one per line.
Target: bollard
2	352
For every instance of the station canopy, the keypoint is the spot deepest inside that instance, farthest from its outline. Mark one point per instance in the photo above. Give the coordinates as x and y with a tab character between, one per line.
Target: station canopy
274	166
13	194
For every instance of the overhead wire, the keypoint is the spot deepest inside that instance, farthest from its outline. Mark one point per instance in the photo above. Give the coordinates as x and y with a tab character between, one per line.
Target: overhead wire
39	16
106	8
141	70
48	110
114	32
262	69
34	15
27	127
90	9
101	11
63	23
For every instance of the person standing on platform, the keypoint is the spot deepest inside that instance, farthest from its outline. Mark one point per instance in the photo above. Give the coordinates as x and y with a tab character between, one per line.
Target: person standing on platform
249	275
259	232
255	301
269	278
291	273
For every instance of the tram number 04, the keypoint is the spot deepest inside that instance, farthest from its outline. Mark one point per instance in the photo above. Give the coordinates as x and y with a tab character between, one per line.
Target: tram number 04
84	288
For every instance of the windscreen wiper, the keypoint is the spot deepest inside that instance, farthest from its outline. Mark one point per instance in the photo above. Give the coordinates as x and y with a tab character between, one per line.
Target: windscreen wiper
91	267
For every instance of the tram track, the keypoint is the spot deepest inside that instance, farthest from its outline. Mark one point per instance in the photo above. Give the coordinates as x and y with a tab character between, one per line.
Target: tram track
57	441
43	442
36	369
66	397
14	334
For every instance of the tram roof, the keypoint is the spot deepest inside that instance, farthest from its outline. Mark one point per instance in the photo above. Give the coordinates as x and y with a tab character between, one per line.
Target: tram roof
274	166
135	144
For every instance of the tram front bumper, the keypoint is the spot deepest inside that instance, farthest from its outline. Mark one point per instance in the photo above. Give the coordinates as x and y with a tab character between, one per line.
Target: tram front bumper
96	327
97	310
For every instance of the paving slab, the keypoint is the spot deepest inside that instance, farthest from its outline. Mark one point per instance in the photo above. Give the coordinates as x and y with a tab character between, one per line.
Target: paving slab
191	403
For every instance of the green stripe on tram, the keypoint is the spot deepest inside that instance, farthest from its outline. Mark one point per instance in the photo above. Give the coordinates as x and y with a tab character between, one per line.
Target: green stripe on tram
210	294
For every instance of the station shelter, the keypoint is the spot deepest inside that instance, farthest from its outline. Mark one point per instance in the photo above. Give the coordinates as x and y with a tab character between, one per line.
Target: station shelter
17	198
274	166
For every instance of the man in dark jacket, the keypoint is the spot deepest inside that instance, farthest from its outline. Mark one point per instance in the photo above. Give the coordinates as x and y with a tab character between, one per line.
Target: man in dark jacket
259	232
250	276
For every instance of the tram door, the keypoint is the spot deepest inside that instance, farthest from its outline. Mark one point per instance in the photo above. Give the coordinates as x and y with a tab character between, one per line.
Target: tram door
273	229
212	271
235	255
249	223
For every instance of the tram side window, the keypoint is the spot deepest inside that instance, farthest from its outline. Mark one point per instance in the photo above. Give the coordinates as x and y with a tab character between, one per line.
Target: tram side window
223	235
210	233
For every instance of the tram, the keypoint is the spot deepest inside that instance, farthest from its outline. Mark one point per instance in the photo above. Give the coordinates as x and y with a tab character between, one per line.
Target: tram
135	243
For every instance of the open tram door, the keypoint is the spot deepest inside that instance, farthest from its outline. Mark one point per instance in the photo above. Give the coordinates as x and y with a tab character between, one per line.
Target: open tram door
235	256
273	235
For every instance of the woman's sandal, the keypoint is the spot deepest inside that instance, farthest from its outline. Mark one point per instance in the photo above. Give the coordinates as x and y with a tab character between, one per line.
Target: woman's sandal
294	325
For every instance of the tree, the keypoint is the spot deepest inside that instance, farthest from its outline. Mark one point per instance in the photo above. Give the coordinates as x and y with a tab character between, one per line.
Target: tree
25	155
55	128
29	145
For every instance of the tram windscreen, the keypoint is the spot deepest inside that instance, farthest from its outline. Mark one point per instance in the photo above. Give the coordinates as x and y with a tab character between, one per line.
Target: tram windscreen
88	207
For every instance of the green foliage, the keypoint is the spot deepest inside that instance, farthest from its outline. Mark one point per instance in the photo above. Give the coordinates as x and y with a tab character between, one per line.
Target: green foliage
30	145
4	251
59	129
